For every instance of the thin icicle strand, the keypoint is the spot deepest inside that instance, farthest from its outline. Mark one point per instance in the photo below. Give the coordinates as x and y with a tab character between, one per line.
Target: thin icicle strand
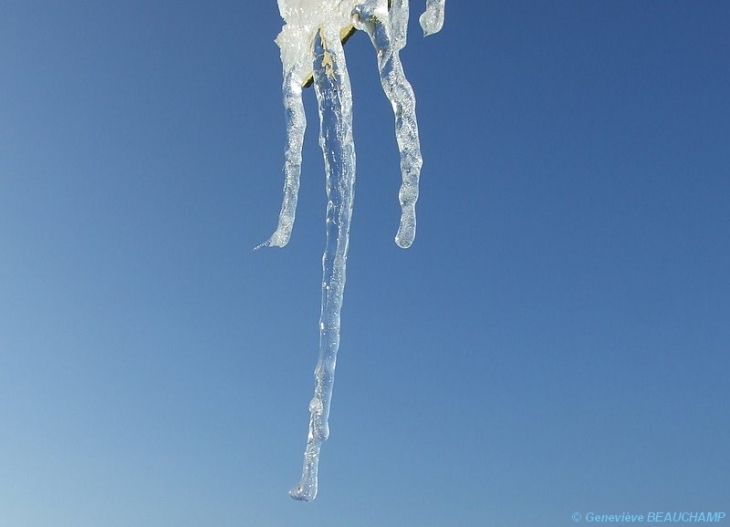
332	85
296	125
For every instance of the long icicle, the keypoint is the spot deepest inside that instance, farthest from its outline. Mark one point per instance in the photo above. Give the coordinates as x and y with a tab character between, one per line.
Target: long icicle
334	96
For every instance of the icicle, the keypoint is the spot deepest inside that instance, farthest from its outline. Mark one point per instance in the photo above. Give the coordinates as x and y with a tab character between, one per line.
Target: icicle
432	20
387	32
332	85
296	125
311	47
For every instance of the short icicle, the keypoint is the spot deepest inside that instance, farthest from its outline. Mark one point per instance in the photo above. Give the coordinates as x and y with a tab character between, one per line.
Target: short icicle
387	31
432	20
296	125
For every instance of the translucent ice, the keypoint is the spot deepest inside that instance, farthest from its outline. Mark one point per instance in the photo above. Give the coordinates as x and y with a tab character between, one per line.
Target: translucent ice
433	19
387	32
332	85
311	50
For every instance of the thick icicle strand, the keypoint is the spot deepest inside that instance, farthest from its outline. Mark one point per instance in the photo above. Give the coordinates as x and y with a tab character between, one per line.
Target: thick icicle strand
432	20
332	85
387	31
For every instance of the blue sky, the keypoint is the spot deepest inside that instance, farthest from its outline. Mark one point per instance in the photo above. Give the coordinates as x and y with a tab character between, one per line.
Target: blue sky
556	340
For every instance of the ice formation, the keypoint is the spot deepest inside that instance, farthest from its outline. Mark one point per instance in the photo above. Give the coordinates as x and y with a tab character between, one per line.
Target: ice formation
311	44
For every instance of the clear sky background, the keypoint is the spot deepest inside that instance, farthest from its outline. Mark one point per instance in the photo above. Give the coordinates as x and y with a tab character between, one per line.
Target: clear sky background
556	340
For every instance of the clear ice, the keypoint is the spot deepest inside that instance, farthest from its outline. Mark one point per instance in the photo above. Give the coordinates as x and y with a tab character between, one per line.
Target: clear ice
312	51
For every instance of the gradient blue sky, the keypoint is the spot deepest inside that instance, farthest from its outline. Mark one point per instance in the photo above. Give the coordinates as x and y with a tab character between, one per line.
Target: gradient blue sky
555	341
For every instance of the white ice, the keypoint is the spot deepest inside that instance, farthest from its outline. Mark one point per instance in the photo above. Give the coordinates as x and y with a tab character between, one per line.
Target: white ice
310	44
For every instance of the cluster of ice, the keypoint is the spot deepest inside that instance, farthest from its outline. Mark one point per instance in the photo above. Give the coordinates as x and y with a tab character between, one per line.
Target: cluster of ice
311	50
